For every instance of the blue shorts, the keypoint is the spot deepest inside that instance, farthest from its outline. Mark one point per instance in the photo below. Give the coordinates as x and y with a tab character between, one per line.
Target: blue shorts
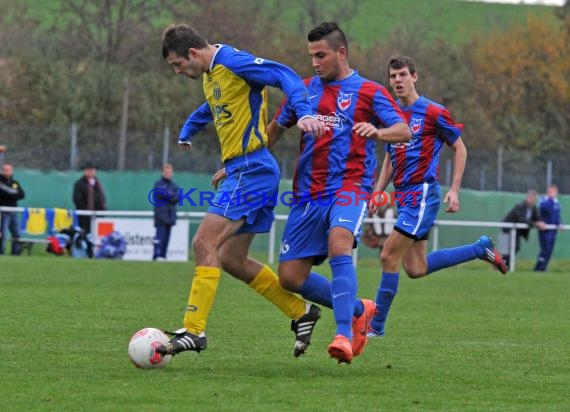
417	209
307	229
249	191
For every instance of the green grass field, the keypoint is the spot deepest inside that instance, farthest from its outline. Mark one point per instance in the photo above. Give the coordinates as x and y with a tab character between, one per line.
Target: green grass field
464	339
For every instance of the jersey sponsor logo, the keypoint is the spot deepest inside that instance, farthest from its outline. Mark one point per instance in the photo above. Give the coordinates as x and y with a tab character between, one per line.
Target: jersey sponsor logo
221	113
410	144
340	219
217	91
415	124
258	60
332	120
343	100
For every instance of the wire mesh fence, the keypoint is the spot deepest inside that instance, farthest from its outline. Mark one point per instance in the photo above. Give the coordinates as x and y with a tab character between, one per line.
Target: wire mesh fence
69	148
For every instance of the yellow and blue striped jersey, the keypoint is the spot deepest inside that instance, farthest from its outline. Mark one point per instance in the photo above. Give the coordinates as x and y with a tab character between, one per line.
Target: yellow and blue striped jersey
236	100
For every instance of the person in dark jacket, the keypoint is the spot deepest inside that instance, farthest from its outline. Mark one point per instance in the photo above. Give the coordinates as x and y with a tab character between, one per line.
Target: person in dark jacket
10	192
88	194
523	212
165	196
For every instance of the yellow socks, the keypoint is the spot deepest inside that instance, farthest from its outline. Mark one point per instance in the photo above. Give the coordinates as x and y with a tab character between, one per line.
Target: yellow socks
266	283
202	294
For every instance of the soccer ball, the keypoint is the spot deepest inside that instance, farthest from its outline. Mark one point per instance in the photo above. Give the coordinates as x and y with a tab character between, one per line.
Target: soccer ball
142	349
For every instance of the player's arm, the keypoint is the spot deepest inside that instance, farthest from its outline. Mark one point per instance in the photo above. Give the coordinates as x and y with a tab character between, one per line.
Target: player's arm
450	132
459	162
397	133
194	123
384	179
284	118
395	127
271	73
274	133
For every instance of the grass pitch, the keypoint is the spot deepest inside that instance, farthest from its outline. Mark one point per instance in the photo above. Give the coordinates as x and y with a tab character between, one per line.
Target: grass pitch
462	339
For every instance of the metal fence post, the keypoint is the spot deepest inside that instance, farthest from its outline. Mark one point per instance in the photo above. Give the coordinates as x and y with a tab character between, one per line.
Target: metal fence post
512	249
500	168
73	148
165	145
548	173
271	250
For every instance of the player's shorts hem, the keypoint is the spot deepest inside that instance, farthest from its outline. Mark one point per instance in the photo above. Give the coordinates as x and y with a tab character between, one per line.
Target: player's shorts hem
409	235
318	258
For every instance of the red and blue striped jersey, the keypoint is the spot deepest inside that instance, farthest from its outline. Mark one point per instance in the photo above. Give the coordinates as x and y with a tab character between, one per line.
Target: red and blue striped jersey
431	126
340	159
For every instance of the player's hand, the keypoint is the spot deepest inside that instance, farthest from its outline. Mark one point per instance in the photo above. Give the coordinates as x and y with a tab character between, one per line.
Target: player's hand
452	200
185	145
375	202
218	177
366	130
311	125
541	225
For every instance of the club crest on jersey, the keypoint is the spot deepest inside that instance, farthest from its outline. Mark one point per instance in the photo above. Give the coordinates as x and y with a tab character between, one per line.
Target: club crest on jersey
217	91
416	125
343	100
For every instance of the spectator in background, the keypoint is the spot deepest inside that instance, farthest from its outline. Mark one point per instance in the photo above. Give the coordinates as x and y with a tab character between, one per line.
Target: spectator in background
549	211
88	194
10	192
166	199
523	212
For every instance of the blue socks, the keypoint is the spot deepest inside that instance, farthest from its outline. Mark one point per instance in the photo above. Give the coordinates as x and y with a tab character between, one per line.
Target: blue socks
445	258
343	287
317	288
386	293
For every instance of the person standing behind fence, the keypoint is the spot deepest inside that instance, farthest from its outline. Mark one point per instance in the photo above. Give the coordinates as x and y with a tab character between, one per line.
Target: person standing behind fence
523	212
549	211
88	194
10	192
166	193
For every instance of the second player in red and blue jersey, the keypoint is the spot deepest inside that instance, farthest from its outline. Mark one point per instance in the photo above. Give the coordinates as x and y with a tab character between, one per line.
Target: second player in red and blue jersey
413	168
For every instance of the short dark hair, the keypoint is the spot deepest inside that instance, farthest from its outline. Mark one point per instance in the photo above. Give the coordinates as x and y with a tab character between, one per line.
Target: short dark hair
399	62
178	38
331	33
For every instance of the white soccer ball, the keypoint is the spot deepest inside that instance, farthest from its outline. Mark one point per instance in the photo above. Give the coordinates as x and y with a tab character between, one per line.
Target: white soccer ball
142	349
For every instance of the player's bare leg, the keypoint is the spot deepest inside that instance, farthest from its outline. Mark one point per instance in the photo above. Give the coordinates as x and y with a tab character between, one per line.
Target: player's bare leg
262	279
211	234
414	260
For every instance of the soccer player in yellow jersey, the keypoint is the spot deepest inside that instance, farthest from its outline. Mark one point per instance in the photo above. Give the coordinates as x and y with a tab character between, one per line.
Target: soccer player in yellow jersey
234	85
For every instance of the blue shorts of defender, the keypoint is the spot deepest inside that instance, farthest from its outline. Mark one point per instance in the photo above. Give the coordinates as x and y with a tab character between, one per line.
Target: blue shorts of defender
306	232
249	191
417	209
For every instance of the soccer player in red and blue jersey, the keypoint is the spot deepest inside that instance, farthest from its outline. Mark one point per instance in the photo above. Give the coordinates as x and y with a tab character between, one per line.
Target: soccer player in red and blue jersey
413	169
333	178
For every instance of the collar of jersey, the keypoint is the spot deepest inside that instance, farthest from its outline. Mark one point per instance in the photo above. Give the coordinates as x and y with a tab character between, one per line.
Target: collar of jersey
219	47
410	107
335	82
